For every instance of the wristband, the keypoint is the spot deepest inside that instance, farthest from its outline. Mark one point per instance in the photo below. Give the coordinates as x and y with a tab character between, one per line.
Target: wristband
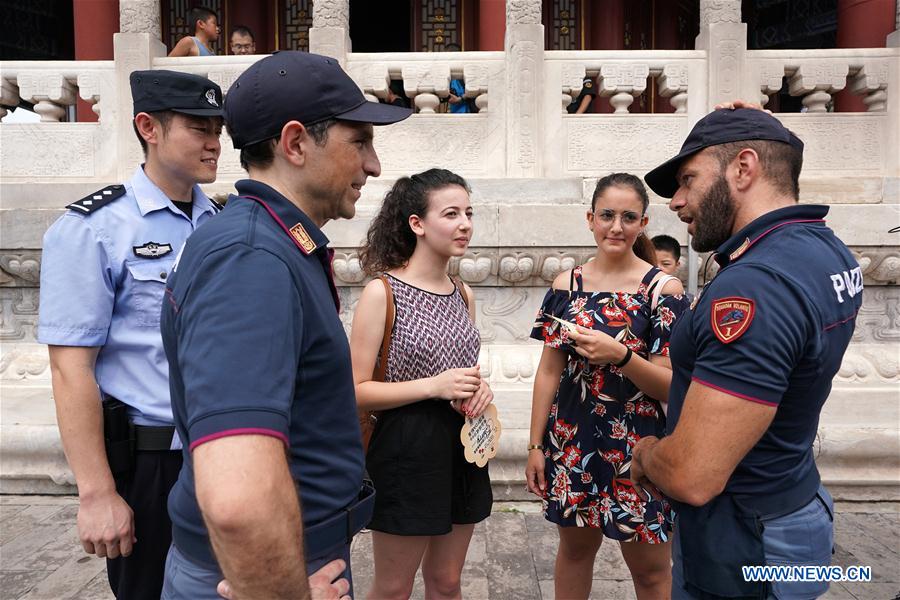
535	447
625	360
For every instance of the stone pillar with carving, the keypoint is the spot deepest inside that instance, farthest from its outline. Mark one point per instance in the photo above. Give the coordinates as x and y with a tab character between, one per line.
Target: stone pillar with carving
133	52
140	16
330	31
724	37
524	47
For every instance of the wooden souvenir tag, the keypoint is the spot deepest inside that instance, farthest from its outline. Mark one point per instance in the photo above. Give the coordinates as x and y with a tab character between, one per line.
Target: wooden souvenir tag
481	437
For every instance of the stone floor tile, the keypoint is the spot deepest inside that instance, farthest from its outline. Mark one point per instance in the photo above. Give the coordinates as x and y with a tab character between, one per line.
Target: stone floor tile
859	537
15	584
26	520
96	589
8	511
874	590
836	591
68	580
510	566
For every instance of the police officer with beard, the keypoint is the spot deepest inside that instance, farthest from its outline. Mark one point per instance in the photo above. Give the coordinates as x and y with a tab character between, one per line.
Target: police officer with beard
752	362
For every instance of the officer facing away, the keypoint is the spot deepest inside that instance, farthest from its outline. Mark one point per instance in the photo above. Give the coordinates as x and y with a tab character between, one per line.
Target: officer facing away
262	390
104	268
752	362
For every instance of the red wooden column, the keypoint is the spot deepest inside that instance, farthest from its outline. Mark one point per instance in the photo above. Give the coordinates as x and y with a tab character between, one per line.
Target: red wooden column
605	31
95	23
862	24
491	24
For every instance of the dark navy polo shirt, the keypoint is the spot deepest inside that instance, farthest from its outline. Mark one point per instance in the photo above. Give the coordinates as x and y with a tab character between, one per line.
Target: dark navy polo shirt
255	346
772	327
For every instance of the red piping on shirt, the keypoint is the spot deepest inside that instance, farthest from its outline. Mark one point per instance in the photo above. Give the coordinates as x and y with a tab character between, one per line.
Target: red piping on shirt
774	227
731	393
833	325
241	431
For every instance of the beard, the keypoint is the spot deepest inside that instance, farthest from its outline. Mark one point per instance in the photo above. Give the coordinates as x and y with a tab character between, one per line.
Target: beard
715	217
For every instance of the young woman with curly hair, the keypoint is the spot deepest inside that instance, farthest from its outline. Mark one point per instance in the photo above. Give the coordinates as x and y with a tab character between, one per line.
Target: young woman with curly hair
428	497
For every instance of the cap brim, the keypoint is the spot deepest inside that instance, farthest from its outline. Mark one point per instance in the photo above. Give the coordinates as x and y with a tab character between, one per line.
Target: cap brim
375	113
200	112
663	179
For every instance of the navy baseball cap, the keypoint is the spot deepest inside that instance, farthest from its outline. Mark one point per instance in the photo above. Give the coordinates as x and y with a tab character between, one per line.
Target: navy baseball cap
297	86
185	93
720	127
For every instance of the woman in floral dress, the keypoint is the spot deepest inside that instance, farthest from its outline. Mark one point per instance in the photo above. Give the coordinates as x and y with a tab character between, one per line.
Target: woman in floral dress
598	390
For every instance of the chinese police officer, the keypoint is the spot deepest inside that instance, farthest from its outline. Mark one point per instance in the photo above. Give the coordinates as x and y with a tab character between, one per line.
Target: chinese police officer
103	274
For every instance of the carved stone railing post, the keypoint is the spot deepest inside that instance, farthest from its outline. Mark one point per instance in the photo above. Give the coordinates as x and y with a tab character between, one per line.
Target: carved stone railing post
9	95
476	78
330	31
50	92
872	81
524	47
426	85
572	83
817	81
140	16
132	52
673	84
623	83
372	78
770	76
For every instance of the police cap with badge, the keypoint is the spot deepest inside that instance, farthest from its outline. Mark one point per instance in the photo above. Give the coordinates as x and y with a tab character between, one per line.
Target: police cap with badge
720	127
156	91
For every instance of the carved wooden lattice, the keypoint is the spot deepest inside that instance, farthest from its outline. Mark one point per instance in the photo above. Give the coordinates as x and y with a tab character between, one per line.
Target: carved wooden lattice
296	19
564	25
175	21
440	24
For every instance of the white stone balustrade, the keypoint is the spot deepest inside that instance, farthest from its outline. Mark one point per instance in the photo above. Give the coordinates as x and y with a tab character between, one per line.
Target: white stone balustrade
817	74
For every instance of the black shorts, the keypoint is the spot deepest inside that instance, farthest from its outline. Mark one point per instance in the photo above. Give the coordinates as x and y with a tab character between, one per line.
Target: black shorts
423	483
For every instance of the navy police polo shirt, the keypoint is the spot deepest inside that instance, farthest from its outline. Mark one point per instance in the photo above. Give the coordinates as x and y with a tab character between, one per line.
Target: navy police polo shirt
772	327
255	346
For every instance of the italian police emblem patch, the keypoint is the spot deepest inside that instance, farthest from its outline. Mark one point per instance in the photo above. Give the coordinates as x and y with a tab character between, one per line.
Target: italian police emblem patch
731	317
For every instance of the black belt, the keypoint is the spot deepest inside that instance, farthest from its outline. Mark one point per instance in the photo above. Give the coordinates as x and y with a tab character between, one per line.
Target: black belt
153	439
337	531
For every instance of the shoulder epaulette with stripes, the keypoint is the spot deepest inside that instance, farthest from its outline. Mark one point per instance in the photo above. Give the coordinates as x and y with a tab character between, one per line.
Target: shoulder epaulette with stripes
98	199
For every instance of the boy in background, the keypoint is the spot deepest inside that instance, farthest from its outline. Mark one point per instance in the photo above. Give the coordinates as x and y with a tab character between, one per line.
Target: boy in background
206	31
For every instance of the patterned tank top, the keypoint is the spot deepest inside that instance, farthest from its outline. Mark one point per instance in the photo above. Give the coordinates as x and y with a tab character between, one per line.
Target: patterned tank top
432	333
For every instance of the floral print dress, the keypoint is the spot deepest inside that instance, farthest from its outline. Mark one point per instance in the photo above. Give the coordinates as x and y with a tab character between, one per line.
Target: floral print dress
598	414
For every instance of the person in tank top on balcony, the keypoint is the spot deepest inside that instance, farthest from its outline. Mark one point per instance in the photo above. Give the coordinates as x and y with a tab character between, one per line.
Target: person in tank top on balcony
206	31
601	385
428	498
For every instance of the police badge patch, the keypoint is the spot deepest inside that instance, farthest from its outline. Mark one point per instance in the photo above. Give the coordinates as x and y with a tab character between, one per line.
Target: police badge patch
730	317
211	97
152	250
303	239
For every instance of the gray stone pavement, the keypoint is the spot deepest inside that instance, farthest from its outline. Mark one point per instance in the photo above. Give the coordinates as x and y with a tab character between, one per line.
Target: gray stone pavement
511	555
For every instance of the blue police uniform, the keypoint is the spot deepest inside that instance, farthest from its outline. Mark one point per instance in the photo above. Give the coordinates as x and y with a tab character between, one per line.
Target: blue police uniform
770	328
103	273
255	346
